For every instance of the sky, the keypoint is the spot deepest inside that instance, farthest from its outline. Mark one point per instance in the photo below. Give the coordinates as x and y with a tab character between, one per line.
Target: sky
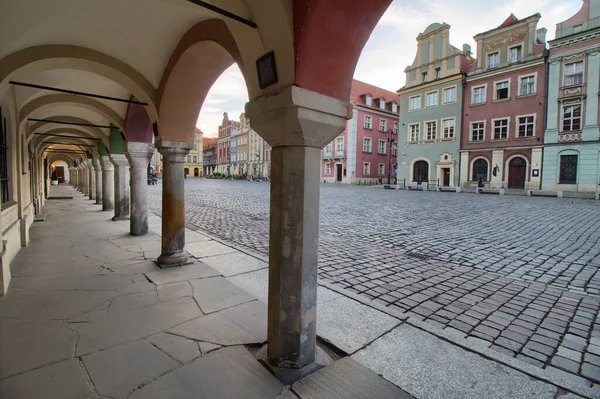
393	45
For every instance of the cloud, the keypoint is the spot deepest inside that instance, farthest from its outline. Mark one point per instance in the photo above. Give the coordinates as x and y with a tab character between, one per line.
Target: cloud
392	45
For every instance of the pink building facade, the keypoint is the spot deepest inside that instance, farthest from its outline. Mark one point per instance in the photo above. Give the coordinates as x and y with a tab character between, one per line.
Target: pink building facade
503	107
224	144
365	152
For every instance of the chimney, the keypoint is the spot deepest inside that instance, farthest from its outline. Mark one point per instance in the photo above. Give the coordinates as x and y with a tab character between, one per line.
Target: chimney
467	50
541	35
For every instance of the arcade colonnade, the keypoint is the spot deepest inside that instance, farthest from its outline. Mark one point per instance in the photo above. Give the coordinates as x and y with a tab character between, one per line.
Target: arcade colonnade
96	95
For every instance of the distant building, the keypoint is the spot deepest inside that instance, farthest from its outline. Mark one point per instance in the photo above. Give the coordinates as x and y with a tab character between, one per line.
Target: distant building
572	148
209	155
258	151
193	161
431	110
362	153
224	145
503	107
242	151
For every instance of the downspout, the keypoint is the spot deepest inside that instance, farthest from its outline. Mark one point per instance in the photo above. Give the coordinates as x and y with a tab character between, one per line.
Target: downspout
547	66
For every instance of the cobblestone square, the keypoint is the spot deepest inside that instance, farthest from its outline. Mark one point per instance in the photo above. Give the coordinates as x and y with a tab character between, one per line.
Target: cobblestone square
521	273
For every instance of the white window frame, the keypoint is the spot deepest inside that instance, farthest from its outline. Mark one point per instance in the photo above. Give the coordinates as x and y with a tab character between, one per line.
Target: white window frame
410	135
382	103
328	149
368	99
379	147
487	59
535	82
496	83
582	73
189	158
370	147
471	132
327	168
394	107
516	45
381	169
366	168
424	76
396	127
493	129
484	87
562	116
382	124
426	130
410	109
518	125
368	122
453	128
338	141
437	98
444	94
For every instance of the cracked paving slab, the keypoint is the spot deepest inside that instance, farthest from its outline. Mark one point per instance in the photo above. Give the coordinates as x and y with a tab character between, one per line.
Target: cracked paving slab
175	274
216	293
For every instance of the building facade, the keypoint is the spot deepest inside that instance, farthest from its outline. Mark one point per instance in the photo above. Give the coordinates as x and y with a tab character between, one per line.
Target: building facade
209	155
193	161
224	144
571	159
242	150
503	107
362	153
257	165
430	110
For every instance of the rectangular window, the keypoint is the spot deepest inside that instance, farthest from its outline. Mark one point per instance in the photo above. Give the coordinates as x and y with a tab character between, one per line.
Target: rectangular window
526	126
381	147
527	85
514	54
366	144
448	125
477	131
493	60
438	73
195	158
368	100
449	95
424	77
394	107
394	150
366	168
414	132
4	181
572	117
327	168
415	103
500	129
381	103
568	169
368	122
339	145
479	95
189	158
432	99
574	73
382	125
381	169
395	127
430	129
328	149
501	90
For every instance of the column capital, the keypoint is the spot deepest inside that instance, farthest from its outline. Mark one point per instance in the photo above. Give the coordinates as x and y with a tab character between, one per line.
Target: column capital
294	116
96	164
106	164
90	163
119	160
173	151
139	154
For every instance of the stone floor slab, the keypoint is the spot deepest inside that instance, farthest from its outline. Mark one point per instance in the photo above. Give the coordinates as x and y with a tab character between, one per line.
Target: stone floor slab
64	380
229	373
243	324
118	371
181	349
256	283
118	328
350	325
25	345
124	303
430	368
235	263
73	281
216	293
203	249
188	272
193	236
167	292
346	379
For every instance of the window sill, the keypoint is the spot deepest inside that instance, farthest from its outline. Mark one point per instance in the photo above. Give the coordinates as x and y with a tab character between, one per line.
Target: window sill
428	141
367	152
525	138
412	142
527	95
448	139
381	153
501	100
476	142
413	110
478	104
449	102
368	128
493	140
430	106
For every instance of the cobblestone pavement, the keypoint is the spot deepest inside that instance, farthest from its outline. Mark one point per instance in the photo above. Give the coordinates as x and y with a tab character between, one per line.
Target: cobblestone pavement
521	273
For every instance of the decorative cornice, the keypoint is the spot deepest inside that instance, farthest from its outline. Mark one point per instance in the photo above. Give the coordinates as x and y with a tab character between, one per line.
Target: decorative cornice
572	39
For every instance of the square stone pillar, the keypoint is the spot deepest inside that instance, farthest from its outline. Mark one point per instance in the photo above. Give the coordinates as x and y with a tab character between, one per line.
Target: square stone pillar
139	155
108	184
98	172
91	179
173	203
121	186
297	123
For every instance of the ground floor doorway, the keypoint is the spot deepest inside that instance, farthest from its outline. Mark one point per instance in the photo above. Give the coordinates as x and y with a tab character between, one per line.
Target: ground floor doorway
517	172
338	172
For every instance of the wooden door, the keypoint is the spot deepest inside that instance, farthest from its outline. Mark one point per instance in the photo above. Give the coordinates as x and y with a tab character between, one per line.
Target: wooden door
60	174
446	179
517	170
338	176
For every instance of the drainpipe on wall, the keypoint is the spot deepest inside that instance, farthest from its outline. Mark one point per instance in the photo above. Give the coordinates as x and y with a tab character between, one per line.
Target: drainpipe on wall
547	66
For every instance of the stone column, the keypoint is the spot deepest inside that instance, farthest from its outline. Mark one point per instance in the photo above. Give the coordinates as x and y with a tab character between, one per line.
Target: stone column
173	205
86	182
80	178
98	171
139	155
73	176
108	184
121	177
297	123
91	179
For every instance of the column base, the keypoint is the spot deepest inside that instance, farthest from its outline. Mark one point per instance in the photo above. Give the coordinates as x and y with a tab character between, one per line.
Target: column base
116	219
179	258
287	376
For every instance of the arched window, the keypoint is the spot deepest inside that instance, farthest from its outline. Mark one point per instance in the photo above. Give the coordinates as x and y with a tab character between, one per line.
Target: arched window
480	170
421	171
